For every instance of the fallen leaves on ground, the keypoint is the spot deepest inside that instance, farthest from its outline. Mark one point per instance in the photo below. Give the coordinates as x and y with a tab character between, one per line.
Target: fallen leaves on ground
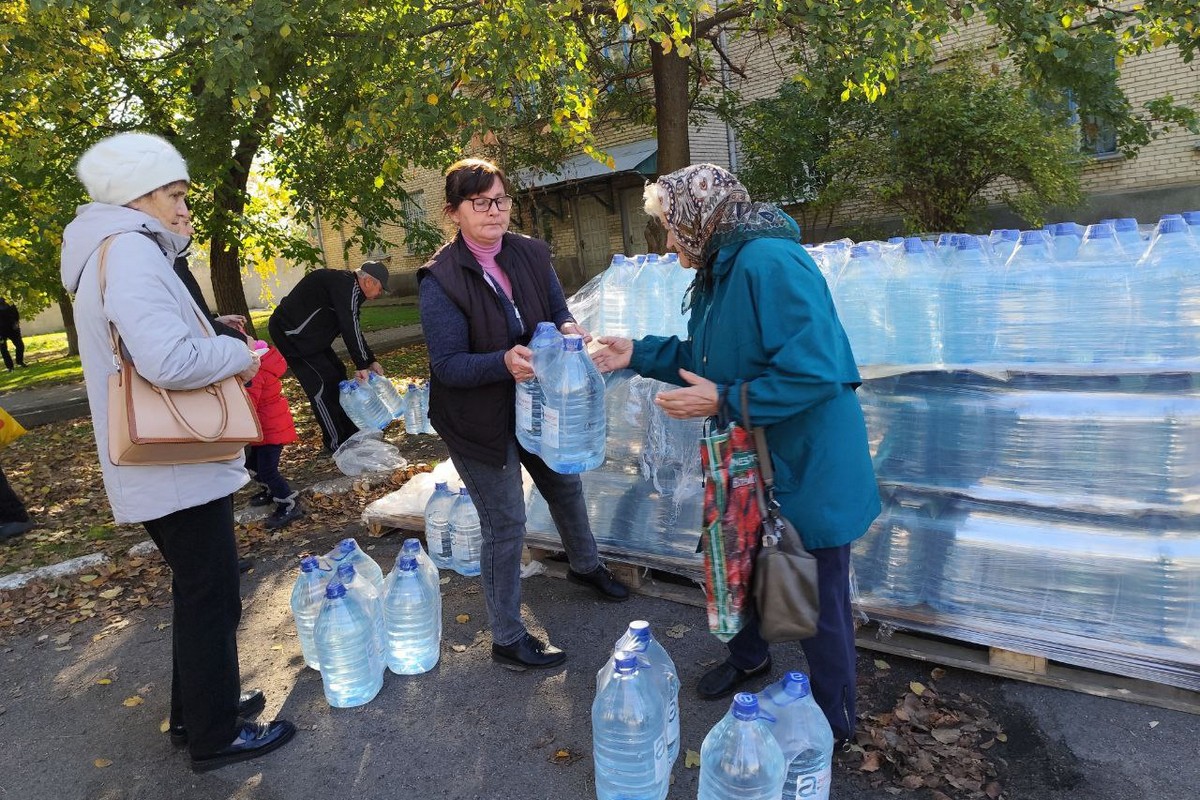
930	741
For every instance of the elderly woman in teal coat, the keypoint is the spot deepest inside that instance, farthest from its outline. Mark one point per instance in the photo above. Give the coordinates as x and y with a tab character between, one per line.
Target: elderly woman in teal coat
761	315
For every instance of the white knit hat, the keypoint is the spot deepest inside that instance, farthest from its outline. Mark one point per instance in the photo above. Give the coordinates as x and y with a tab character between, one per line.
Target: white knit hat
126	166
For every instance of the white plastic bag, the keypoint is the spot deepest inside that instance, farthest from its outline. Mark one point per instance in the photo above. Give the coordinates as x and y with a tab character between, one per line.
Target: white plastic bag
366	451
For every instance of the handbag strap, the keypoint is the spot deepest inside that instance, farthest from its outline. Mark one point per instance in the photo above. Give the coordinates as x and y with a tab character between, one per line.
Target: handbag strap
764	489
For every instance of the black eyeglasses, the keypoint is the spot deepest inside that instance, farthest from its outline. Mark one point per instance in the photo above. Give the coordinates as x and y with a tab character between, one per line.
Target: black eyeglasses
484	204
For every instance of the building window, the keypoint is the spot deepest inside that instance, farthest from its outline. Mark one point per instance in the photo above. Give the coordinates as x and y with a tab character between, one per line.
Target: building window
414	209
1097	137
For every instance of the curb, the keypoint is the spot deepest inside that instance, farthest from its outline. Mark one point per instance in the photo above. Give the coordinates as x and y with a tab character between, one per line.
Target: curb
74	566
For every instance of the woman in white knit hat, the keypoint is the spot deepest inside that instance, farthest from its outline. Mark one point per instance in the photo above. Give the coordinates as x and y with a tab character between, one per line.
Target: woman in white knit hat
139	183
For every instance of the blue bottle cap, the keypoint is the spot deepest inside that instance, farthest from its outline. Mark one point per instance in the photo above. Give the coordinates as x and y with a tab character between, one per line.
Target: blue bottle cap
440	485
334	590
914	244
412	546
639	629
796	684
968	242
462	492
1009	234
1190	217
626	662
1172	223
1031	237
1100	231
745	706
346	572
406	563
545	327
572	343
1126	224
309	563
860	251
347	545
895	240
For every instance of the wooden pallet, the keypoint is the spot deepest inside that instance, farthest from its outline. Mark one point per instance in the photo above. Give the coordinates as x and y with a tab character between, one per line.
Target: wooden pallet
1024	667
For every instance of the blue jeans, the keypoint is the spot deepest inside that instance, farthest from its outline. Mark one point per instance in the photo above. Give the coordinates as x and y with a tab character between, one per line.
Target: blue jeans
497	494
830	652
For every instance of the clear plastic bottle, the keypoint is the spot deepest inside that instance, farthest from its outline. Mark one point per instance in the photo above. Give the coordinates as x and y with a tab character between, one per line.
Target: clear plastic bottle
968	289
860	295
412	409
803	734
411	620
465	533
367	595
649	293
653	657
1130	237
350	399
574	425
423	421
348	552
1003	241
1095	303
616	302
385	390
545	342
1166	292
429	574
629	747
351	671
437	525
375	413
913	306
308	593
1067	238
740	759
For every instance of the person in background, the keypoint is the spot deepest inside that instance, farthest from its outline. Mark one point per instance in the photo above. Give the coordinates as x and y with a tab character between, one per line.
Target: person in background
324	304
762	316
225	325
278	429
14	519
10	331
481	297
138	183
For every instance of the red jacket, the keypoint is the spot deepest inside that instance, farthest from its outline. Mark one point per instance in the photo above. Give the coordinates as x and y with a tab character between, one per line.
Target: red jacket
266	392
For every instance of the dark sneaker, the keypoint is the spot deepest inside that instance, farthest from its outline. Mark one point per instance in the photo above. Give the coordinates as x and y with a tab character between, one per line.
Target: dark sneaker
262	498
254	739
11	529
250	704
528	652
722	680
283	515
600	579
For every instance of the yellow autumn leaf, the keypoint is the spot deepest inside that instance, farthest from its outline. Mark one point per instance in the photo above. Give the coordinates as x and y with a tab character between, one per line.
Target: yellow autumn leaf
285	30
104	681
562	753
881	664
917	688
432	99
165	725
102	763
130	702
87	578
112	594
691	759
462	619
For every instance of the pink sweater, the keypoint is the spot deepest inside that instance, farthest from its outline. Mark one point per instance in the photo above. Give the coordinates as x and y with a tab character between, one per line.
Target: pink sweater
486	256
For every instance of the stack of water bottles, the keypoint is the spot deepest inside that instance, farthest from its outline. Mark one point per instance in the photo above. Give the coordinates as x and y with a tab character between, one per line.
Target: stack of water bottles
642	499
353	623
1033	405
452	530
560	411
371	405
416	408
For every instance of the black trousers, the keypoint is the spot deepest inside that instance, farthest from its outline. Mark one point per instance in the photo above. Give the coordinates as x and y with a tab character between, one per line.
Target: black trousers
18	345
11	507
199	545
319	376
830	653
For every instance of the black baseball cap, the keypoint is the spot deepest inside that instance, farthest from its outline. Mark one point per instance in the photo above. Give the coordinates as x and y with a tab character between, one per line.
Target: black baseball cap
377	271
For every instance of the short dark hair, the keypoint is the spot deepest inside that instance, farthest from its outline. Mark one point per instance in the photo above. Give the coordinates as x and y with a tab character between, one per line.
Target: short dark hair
471	176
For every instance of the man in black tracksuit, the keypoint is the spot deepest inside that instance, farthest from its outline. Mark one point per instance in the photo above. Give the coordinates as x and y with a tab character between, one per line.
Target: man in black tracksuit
326	303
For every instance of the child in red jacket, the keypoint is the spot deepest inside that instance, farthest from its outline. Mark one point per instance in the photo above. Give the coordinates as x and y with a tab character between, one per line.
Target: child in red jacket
262	459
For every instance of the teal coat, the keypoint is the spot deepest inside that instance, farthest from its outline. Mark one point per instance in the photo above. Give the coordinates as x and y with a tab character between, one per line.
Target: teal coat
769	321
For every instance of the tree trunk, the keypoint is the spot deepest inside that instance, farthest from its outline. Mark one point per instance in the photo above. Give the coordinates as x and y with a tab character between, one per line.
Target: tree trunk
671	109
68	317
225	250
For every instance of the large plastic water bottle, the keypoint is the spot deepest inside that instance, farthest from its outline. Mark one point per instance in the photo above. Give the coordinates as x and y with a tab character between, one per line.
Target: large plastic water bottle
426	425
351	670
411	620
1003	241
649	292
348	552
1067	238
653	658
385	390
350	399
740	759
803	734
913	306
1130	237
1166	290
413	413
465	534
860	294
429	574
1095	319
367	595
574	426
616	302
308	593
545	342
968	289
437	525
678	283
629	746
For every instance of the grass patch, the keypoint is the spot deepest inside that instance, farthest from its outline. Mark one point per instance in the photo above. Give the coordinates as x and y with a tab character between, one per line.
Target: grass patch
63	369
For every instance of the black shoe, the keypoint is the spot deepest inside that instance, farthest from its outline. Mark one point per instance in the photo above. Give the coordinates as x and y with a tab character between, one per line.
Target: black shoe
11	529
283	515
530	652
263	498
250	704
722	680
245	565
600	579
254	739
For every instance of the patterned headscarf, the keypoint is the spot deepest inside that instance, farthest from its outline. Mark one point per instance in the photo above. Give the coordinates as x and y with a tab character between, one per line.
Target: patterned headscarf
707	208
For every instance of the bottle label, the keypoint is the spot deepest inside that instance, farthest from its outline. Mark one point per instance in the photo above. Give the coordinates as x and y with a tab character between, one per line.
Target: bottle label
813	785
524	410
550	426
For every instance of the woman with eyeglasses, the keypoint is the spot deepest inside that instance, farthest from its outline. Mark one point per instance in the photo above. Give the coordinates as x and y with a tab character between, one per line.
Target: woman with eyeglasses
481	297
